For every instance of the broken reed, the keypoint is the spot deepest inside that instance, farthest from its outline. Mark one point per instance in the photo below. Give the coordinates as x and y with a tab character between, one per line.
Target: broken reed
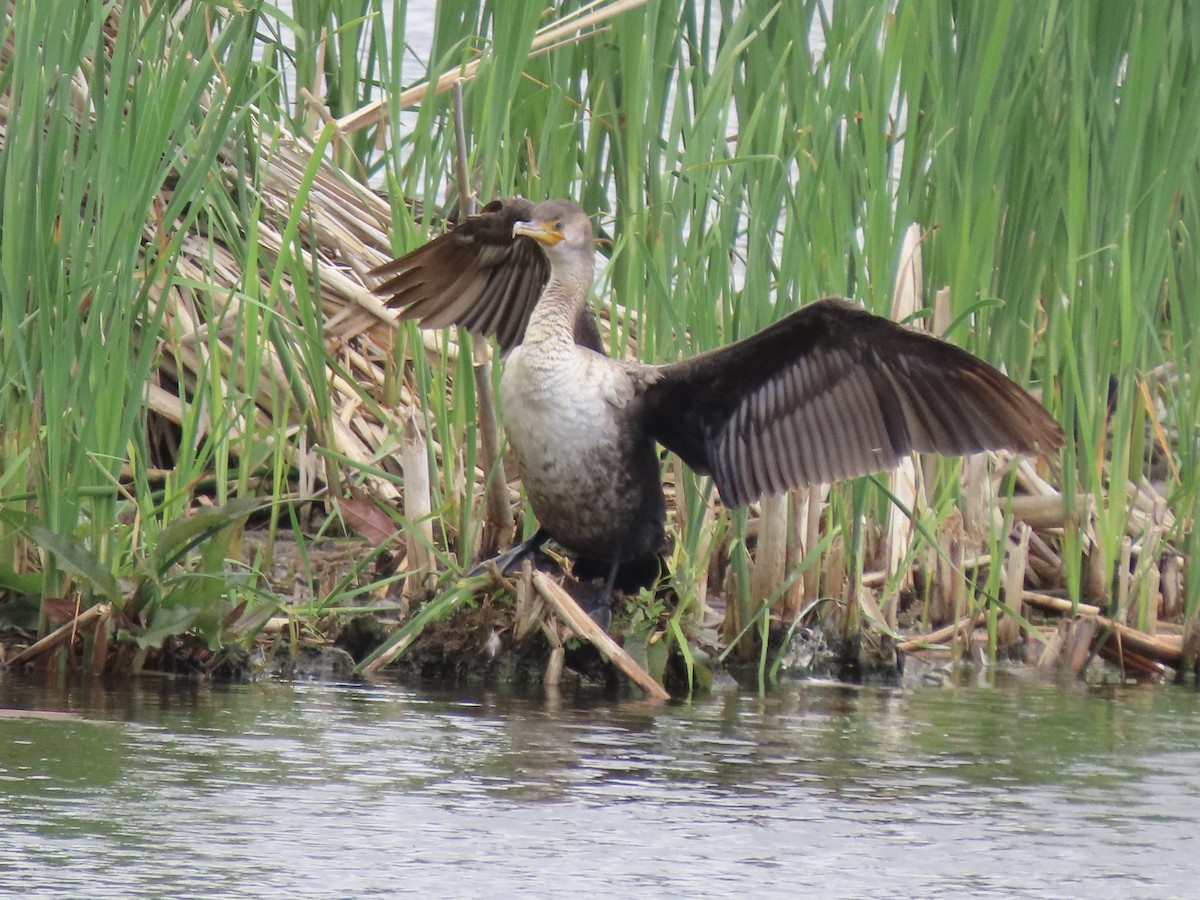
741	158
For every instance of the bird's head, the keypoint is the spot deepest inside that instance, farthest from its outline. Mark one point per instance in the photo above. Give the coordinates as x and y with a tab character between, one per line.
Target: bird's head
560	228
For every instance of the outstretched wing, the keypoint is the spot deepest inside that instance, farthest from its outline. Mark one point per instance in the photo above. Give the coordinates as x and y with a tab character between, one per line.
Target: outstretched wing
478	276
833	392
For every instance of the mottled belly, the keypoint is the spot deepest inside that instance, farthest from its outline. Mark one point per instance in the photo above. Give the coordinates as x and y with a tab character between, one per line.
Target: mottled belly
592	484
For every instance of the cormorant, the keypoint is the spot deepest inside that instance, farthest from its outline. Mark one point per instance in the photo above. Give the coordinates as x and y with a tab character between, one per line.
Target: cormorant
828	392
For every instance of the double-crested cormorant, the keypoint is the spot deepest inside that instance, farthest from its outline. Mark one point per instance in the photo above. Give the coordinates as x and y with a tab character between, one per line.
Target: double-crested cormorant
826	393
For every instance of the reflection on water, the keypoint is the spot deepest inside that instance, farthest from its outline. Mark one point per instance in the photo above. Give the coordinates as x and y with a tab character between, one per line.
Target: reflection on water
165	789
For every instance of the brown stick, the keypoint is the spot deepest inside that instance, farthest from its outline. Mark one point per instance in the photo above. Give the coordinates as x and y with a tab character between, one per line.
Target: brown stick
1016	558
879	578
943	634
770	562
100	644
418	505
581	623
1051	603
61	634
1163	648
1048	511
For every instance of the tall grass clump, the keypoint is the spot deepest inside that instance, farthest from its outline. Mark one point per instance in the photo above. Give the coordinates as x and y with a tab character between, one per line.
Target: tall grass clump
193	194
113	124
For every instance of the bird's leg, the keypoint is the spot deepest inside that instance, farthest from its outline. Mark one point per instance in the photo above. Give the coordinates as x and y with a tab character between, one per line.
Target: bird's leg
513	555
606	597
601	613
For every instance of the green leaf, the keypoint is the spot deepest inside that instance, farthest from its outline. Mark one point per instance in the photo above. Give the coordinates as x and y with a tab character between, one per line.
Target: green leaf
21	582
167	621
183	535
72	555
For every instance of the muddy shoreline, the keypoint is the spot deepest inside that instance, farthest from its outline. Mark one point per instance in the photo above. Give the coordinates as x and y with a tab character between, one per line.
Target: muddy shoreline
498	636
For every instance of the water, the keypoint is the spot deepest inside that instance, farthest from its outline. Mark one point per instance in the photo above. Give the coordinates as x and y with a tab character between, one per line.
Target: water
169	790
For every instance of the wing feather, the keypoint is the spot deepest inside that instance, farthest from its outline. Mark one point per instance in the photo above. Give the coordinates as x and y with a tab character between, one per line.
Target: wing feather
478	276
832	392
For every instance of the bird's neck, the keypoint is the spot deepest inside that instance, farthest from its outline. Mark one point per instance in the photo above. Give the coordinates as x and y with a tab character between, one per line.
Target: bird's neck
553	318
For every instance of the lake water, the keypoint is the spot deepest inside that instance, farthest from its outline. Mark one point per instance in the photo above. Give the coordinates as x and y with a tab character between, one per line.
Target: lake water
1018	789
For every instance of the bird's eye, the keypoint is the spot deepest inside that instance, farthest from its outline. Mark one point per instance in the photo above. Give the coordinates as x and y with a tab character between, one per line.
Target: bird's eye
558	226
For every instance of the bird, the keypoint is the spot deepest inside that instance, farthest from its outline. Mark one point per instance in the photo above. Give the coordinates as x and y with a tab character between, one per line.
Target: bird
828	392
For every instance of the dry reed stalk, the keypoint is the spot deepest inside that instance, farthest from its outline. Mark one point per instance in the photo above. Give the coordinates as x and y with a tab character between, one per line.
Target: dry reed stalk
100	636
1030	481
942	577
793	596
418	506
942	312
1147	510
808	524
1171	584
88	618
1051	653
1124	559
1164	648
531	611
833	572
1050	603
1044	511
1096	575
581	623
1045	566
554	665
1147	574
1016	558
879	577
1078	643
770	558
555	633
977	499
1148	600
941	635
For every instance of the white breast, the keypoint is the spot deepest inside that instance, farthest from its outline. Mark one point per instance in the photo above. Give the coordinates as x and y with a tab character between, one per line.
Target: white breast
558	408
561	408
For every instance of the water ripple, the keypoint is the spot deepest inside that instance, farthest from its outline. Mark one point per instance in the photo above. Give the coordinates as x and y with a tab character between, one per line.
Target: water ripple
321	791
